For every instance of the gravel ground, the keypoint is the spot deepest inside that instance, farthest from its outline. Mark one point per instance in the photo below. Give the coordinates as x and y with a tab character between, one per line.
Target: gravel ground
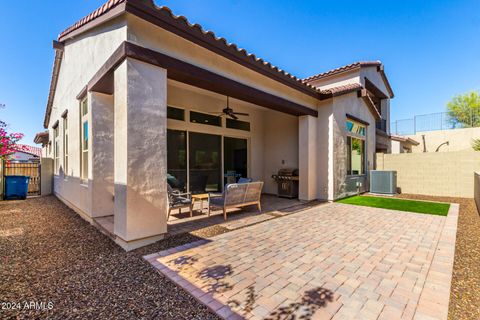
49	254
465	291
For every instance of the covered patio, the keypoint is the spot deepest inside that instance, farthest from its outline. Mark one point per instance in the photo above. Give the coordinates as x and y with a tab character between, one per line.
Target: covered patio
168	123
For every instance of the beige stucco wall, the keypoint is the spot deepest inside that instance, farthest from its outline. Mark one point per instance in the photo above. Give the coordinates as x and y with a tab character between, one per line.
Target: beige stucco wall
46	176
82	58
459	139
374	76
280	146
437	174
477	189
324	151
140	152
396	147
150	36
345	185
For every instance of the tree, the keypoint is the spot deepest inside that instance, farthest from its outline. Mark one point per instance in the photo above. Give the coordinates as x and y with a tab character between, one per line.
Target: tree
464	109
8	141
476	144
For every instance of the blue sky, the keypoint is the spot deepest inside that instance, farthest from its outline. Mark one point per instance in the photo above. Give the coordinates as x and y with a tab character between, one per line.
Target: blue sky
430	48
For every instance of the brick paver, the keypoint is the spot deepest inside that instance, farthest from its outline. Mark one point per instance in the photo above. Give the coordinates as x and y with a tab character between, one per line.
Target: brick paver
334	261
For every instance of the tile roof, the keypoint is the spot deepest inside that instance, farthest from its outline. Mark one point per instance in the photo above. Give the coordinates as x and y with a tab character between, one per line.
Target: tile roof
107	6
404	139
343	89
29	149
346	68
41	137
208	35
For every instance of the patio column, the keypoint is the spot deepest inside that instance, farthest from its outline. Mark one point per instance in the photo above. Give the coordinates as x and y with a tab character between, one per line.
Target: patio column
307	158
140	159
101	184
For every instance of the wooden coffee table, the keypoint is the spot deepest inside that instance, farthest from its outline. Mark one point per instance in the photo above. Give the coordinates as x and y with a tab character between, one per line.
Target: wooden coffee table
199	197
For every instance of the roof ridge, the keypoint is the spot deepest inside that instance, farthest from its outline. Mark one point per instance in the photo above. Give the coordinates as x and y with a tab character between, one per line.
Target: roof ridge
344	68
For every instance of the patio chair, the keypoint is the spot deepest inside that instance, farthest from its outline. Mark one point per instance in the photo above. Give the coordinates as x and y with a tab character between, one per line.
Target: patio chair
237	195
178	200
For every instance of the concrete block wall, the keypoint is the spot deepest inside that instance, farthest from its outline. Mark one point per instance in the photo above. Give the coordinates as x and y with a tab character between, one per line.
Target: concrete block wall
438	174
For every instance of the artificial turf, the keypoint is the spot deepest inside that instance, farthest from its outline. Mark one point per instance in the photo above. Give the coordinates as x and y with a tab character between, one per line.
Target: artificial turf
440	209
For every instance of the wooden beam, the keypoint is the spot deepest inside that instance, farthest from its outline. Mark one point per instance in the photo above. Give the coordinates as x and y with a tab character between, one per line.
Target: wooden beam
193	75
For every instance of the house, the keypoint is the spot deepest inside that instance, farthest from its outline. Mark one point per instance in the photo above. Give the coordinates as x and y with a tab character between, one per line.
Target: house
138	95
402	144
25	153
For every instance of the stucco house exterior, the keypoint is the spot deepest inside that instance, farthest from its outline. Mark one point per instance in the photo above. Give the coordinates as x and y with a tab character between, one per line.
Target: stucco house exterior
135	96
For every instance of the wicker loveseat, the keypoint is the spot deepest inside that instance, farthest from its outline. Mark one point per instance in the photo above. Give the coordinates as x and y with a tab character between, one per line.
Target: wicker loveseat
237	195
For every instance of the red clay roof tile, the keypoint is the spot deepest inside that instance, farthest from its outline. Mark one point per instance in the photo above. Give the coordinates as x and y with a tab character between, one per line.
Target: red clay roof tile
346	68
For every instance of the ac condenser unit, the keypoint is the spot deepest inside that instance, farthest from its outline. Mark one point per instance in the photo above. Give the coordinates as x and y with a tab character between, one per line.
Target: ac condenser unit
383	182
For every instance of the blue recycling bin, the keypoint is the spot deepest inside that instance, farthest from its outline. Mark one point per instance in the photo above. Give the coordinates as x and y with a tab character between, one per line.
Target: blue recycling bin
16	187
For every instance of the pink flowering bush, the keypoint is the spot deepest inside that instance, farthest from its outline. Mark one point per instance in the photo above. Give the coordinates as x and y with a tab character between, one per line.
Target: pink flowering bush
8	141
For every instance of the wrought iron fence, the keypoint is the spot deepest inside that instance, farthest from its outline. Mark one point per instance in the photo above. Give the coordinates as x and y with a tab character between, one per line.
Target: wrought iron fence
435	121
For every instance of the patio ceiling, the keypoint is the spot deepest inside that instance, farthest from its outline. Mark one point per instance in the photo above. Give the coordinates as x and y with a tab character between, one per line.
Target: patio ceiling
193	75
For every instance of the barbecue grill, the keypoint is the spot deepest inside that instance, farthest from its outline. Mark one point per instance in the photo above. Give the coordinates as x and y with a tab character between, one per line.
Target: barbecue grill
287	180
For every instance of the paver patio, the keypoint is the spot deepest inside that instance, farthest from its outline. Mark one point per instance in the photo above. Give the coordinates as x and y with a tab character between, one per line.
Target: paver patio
332	261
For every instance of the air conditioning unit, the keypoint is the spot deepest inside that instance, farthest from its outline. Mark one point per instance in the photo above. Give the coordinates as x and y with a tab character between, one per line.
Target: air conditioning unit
384	182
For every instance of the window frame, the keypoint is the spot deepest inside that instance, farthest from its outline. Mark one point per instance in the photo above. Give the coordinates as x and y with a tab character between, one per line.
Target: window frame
171	109
361	135
229	122
56	151
65	144
84	149
217	118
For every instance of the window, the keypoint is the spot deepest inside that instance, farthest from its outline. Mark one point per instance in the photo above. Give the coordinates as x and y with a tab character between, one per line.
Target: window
355	128
237	124
56	151
177	159
203	118
356	156
205	162
355	147
175	113
65	144
84	139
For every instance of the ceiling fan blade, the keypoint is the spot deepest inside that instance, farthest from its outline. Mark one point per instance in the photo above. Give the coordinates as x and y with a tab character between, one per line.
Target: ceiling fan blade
233	116
241	113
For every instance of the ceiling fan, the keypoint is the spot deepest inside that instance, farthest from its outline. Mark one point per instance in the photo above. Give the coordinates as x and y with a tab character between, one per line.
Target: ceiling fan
227	111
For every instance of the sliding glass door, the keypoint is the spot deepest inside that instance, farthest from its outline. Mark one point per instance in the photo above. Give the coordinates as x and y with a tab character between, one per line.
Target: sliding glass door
205	162
235	159
204	156
177	159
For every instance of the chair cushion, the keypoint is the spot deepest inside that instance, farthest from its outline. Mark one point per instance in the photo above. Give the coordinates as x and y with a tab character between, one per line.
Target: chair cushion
180	201
217	201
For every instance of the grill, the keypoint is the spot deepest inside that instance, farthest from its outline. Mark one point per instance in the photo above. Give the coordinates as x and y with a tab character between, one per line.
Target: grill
287	180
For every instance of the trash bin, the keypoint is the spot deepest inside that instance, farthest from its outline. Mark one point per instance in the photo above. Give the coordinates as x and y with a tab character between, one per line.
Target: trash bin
16	187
